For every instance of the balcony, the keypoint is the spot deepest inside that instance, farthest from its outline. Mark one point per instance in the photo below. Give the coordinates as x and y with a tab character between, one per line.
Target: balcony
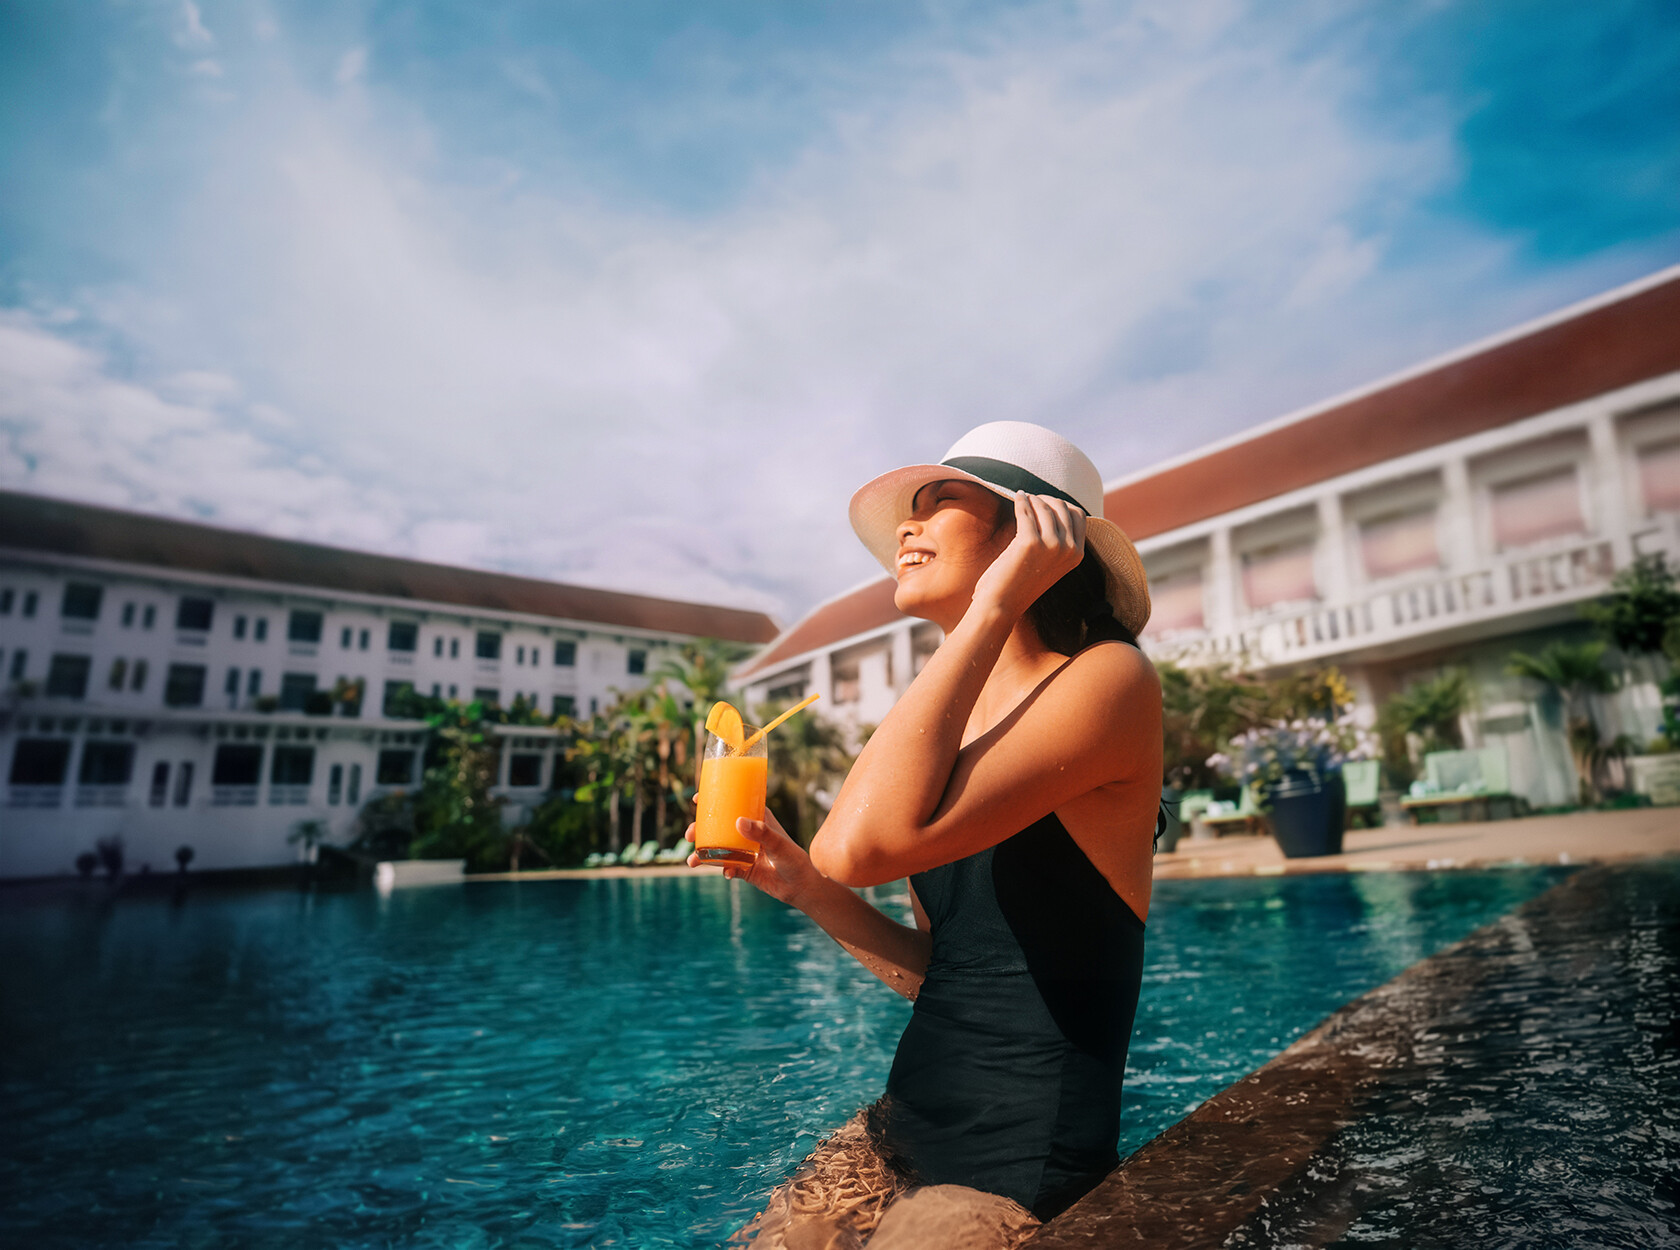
287	796
101	796
34	796
1378	616
233	796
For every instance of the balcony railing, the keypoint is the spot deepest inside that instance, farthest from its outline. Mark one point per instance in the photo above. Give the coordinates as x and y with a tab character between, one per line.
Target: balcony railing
233	796
1508	584
101	796
287	796
34	796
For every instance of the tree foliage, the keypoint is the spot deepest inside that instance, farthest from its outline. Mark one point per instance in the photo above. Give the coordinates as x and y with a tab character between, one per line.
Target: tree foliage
1204	708
1641	609
1423	717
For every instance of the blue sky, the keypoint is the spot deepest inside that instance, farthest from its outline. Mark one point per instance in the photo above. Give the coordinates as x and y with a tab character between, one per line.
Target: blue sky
636	293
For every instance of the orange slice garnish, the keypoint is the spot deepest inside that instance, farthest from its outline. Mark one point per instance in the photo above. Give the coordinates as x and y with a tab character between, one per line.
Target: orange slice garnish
725	722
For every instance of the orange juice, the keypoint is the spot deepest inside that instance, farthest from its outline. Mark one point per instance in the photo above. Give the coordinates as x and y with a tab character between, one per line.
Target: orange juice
731	786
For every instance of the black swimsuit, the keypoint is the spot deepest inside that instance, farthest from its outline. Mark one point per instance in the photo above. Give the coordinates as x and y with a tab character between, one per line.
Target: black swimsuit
1007	1078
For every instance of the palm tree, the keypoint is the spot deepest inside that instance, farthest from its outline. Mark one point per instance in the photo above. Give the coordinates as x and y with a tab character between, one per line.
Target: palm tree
808	762
702	668
1575	670
1427	709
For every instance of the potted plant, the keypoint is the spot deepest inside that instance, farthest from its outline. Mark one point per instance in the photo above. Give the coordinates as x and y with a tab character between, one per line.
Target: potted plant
1294	769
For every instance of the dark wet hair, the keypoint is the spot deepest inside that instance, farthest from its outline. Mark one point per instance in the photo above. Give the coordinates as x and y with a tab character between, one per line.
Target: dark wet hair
1075	612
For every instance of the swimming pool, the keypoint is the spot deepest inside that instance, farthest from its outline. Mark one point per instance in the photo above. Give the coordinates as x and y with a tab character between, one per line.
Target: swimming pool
614	1062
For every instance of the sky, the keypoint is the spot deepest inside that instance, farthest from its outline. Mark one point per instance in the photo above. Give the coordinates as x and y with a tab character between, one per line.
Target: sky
635	293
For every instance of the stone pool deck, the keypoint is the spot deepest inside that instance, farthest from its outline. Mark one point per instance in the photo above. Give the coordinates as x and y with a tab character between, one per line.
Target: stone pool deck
1574	838
1515	1089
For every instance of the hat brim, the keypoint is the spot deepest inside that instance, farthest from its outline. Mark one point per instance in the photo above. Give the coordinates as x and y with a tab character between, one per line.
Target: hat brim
880	505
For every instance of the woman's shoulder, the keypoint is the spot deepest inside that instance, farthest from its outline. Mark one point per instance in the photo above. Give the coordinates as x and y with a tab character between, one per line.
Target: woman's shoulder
1112	660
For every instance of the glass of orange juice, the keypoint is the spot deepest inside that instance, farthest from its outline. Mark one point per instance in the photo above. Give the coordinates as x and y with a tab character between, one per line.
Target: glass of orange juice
731	786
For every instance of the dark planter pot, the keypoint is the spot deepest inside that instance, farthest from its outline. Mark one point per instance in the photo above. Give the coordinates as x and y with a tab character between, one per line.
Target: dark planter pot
1308	814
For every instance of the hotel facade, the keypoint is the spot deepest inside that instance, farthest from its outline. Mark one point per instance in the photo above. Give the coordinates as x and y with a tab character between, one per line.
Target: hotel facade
176	684
1441	518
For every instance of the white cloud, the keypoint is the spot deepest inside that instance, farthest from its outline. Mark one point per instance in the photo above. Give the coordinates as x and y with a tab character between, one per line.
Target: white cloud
190	31
1144	230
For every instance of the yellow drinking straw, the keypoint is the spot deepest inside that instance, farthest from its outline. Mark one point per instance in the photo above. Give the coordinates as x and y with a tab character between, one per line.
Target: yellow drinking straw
797	707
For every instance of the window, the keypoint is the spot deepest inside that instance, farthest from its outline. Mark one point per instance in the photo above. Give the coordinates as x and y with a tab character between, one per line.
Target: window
1659	477
81	601
1280	574
184	779
362	640
335	784
295	689
1534	509
20	661
239	623
344	637
1399	543
119	674
525	769
184	686
487	695
253	682
396	768
106	763
67	676
231	686
40	762
638	661
402	636
160	783
236	764
128	615
489	645
6	597
536	656
194	613
30	601
454	648
138	682
148	617
292	766
399	696
565	705
303	626
1176	602
259	630
520	656
353	793
437	690
453	690
437	646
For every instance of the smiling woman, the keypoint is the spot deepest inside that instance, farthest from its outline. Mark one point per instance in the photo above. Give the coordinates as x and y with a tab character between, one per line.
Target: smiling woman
1016	784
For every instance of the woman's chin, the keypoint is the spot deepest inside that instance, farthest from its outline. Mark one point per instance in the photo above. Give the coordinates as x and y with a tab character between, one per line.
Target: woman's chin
913	600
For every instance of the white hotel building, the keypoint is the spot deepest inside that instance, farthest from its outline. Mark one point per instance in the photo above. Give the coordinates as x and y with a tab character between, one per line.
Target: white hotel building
172	683
1446	516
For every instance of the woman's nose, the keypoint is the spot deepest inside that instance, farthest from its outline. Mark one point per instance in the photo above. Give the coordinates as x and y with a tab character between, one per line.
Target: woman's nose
908	528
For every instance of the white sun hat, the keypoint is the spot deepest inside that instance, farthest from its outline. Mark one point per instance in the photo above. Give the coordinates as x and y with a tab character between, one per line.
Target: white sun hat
1007	456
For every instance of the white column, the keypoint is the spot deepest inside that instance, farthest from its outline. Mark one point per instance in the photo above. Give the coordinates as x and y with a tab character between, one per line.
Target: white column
1605	480
822	677
1456	530
1219	607
900	661
1334	587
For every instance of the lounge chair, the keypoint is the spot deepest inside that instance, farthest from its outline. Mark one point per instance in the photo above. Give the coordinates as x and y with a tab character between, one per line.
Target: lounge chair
1362	779
1463	785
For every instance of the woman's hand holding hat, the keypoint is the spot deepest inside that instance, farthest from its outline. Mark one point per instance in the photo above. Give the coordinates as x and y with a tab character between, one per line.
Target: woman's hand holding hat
1049	542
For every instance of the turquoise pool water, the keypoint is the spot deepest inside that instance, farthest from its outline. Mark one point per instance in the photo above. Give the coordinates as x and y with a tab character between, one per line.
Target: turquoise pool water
604	1063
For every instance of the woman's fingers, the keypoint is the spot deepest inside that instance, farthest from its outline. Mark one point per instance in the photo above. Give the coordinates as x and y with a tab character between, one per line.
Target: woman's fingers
689	832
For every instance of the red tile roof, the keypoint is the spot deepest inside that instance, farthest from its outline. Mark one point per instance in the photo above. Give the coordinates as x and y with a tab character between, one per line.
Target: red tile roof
33	523
1605	347
1574	356
858	611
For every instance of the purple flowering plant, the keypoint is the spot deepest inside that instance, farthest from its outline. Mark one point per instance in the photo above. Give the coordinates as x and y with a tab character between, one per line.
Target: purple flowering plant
1261	757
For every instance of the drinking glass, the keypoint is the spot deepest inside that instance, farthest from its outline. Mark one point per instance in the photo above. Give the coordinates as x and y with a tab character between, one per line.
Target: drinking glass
731	786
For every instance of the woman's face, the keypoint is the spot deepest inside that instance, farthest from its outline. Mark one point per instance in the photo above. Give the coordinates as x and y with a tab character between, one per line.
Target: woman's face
954	531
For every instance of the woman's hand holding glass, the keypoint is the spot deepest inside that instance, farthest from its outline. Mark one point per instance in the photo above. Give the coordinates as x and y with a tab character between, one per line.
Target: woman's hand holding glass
1049	542
782	869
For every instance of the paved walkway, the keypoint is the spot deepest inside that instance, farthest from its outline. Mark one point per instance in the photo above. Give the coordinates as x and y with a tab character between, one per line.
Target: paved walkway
1577	838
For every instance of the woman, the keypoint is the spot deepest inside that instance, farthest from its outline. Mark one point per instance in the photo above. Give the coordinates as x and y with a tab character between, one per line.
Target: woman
1016	784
